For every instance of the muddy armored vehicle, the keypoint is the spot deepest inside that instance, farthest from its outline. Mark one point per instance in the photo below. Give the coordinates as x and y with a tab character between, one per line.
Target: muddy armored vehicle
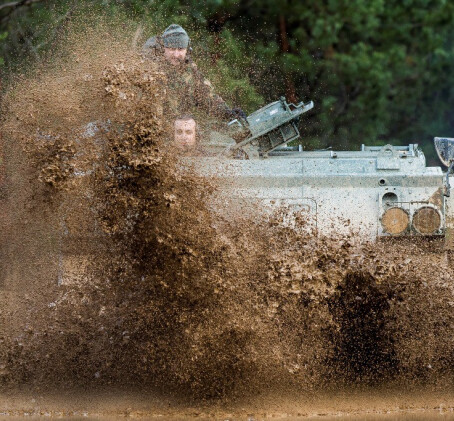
376	192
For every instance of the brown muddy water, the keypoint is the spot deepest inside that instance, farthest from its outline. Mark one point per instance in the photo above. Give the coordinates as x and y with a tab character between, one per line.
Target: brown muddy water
324	411
388	417
426	416
116	274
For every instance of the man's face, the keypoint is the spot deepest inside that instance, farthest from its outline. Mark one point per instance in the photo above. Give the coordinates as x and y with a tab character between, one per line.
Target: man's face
175	56
185	133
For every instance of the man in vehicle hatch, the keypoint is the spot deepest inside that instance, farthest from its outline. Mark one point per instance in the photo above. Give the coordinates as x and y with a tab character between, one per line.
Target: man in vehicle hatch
188	90
187	138
185	132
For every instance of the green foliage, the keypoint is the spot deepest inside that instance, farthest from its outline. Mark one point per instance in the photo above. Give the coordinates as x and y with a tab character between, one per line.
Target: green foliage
377	71
229	72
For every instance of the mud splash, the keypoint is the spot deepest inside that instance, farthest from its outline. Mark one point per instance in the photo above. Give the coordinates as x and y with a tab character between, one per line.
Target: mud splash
117	274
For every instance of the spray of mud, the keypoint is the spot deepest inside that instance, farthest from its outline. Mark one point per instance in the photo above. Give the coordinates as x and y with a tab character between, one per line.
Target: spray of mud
116	273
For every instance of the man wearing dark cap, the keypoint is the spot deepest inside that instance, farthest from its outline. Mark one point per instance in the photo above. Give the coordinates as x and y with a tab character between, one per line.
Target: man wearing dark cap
189	89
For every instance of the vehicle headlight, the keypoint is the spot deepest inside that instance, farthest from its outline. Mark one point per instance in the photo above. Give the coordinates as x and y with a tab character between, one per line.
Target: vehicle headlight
395	220
426	220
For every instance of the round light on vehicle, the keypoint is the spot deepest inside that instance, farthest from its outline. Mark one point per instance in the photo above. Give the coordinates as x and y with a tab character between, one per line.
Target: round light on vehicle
426	220
395	220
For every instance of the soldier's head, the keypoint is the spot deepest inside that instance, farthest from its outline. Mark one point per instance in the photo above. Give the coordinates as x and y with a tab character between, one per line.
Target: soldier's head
185	132
176	43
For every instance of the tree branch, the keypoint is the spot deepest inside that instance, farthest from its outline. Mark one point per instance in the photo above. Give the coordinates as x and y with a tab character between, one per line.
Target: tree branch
17	4
14	5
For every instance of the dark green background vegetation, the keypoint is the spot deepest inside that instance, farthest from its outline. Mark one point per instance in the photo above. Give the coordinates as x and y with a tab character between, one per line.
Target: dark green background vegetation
378	71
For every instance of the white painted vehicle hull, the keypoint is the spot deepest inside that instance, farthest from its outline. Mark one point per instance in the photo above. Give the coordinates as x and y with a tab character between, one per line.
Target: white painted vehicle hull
336	192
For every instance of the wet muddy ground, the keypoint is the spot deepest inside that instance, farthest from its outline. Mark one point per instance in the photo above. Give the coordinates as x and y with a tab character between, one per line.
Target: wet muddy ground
420	405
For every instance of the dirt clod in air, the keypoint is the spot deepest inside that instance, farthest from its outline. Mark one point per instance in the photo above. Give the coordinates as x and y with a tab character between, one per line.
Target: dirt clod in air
118	273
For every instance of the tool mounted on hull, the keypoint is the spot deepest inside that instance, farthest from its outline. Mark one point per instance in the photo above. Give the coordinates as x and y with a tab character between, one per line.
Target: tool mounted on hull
272	126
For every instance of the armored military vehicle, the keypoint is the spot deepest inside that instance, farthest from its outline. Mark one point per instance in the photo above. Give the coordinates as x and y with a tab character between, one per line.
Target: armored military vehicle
378	191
